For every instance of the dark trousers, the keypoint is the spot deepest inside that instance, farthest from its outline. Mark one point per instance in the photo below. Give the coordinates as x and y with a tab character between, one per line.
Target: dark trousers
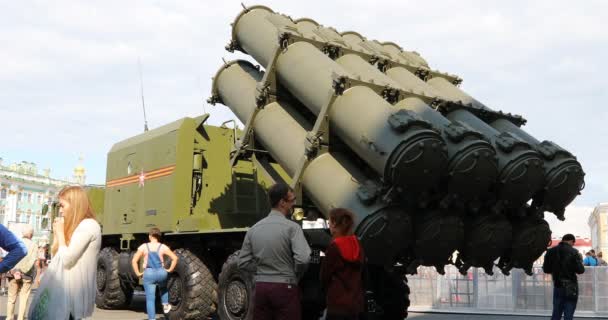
277	301
562	305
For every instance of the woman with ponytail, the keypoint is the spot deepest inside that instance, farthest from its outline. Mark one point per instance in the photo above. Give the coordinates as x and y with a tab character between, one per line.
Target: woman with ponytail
341	270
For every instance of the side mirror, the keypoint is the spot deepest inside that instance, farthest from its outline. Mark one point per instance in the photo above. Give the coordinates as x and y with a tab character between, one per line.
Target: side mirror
45	209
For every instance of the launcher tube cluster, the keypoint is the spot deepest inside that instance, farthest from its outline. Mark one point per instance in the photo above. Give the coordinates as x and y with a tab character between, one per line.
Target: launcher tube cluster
365	125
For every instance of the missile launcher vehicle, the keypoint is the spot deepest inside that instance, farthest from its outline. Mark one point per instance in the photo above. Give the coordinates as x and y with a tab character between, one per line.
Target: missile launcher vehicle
433	176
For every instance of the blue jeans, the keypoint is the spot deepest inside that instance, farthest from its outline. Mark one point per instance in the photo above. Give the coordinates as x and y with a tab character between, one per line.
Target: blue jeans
562	305
152	278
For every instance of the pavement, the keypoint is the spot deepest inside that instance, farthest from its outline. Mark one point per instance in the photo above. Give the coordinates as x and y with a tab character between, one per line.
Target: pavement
451	316
137	311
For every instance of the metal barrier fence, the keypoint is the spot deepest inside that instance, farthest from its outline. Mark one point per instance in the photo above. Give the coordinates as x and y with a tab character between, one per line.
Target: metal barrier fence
478	292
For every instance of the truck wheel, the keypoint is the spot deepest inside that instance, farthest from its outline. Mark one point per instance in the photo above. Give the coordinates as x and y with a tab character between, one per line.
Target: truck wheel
394	298
111	294
235	291
192	289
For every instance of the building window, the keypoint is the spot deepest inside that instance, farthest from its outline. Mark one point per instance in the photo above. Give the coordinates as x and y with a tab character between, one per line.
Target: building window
29	198
3	194
19	197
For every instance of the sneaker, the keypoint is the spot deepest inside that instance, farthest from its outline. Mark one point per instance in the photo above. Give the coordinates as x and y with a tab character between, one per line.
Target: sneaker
166	308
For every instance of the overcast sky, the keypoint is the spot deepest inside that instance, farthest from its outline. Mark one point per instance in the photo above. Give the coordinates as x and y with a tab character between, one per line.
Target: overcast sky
69	81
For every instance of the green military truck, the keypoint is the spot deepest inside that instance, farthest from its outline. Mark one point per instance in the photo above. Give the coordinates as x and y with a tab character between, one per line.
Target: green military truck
348	122
178	178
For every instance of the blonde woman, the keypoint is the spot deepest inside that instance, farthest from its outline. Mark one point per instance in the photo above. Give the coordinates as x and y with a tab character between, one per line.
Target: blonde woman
77	242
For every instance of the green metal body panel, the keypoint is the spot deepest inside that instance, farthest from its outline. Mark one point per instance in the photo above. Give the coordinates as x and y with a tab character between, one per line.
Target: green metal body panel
96	196
152	181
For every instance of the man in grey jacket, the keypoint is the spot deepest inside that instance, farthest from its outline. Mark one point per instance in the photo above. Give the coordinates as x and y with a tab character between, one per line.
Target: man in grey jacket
276	251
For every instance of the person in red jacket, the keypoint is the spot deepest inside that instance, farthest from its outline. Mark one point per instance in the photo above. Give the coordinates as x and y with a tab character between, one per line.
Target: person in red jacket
341	270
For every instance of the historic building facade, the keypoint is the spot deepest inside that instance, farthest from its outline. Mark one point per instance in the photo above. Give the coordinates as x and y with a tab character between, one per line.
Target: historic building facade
598	224
23	192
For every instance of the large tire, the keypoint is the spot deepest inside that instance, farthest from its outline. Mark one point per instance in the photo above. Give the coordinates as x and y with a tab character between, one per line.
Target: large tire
395	297
192	289
235	291
111	293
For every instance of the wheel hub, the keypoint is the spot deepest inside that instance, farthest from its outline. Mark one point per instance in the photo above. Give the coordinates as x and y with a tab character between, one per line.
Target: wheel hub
236	297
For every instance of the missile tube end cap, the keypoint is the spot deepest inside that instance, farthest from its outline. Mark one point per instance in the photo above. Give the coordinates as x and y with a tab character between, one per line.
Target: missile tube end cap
241	14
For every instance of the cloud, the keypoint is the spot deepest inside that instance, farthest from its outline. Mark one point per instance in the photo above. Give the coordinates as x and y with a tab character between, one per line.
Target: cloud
576	222
70	82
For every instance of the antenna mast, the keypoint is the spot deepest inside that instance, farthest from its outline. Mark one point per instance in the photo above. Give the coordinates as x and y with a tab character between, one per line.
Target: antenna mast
143	102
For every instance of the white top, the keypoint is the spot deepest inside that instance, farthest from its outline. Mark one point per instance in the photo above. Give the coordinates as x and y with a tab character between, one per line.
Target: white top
162	251
80	267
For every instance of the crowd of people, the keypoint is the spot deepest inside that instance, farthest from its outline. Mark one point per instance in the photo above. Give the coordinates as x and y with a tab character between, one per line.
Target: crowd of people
70	276
274	250
593	260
